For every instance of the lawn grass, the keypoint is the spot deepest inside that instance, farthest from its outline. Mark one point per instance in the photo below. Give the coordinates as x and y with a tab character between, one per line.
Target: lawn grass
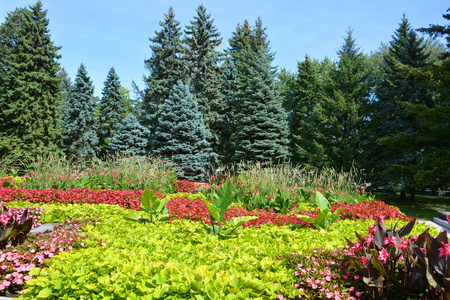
424	207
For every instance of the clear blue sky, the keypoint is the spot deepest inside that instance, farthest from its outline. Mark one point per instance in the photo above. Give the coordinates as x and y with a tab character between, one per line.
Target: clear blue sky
115	33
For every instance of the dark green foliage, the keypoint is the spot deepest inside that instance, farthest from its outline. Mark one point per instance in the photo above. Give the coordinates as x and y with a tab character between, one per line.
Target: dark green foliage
346	106
166	67
112	111
303	99
180	134
390	118
29	87
203	59
80	124
430	143
261	127
130	139
440	30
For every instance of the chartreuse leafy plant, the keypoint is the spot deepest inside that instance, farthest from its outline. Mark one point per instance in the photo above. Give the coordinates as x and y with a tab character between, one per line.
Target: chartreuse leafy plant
177	260
391	265
221	199
325	217
155	209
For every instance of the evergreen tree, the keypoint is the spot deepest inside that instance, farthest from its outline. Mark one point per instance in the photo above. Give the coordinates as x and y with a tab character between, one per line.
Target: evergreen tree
306	99
29	86
166	67
80	124
228	91
391	119
130	139
346	106
261	127
246	47
202	40
112	110
180	134
430	144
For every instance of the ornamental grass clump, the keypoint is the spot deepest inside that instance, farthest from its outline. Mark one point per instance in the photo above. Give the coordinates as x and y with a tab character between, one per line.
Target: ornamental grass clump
115	173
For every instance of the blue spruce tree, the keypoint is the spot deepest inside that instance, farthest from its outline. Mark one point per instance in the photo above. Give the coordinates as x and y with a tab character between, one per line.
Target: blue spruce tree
80	130
130	139
261	122
180	134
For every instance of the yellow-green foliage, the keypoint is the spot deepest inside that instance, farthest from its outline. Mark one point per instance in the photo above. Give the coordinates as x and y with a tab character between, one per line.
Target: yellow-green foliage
177	260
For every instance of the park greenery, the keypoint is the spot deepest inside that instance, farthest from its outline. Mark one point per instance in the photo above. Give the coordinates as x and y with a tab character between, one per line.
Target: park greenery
225	178
385	113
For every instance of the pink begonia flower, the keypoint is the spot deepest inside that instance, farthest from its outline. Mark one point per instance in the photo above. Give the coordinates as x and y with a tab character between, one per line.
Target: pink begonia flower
383	255
444	250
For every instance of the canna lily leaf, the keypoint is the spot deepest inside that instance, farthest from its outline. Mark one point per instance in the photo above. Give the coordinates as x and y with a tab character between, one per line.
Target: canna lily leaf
407	229
133	215
306	218
321	201
212	210
221	199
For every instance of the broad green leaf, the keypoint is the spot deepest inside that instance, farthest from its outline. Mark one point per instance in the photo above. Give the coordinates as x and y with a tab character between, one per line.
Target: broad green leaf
150	201
162	205
321	201
133	215
212	210
238	221
321	217
306	218
221	199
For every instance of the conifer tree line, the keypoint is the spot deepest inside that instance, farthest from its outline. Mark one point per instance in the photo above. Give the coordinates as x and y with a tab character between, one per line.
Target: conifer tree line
385	112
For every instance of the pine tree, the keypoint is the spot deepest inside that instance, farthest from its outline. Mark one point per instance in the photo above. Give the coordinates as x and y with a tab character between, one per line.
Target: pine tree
29	87
391	119
80	125
166	67
112	110
130	139
346	106
306	98
180	134
202	40
261	127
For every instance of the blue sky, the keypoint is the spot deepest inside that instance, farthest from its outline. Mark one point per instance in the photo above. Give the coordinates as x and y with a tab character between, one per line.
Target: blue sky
115	33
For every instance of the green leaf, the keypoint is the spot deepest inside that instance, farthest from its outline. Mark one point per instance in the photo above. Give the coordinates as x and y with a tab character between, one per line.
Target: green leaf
212	210
44	294
321	201
321	217
133	215
306	218
238	221
221	199
150	201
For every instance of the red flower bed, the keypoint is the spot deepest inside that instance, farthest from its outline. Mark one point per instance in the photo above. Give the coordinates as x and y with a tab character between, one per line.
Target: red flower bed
375	209
185	208
186	186
124	198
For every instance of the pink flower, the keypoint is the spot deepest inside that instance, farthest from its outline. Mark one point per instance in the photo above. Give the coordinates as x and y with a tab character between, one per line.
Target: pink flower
383	255
444	250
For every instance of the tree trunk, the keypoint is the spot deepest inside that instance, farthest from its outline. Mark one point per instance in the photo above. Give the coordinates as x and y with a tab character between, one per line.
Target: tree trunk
402	196
413	194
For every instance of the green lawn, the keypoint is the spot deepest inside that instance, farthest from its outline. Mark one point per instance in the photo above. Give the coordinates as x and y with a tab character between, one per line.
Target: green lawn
425	207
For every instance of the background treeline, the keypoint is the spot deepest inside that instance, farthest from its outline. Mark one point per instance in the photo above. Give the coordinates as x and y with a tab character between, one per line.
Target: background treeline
386	113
